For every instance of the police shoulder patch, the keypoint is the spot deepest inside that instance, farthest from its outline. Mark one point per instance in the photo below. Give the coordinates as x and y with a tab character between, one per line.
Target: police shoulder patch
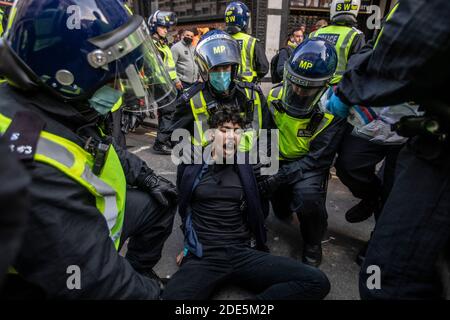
192	91
23	134
304	133
249	85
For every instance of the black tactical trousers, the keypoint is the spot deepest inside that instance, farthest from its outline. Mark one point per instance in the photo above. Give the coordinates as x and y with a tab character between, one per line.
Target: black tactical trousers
356	167
147	224
165	116
306	198
269	276
413	228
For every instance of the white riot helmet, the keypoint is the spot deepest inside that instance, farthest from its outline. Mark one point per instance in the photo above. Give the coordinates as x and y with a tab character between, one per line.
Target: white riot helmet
344	11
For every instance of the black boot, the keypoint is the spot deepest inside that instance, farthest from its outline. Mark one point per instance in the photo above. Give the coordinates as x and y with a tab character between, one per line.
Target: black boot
312	255
161	148
362	211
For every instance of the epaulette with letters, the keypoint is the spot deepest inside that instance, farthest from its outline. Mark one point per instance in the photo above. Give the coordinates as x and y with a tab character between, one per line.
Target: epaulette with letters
192	91
23	134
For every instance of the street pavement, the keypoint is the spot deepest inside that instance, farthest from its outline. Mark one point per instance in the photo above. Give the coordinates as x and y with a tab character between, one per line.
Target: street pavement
343	243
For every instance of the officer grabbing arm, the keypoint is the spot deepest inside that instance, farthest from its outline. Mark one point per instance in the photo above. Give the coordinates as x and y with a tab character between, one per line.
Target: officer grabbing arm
87	195
308	140
347	39
218	58
254	64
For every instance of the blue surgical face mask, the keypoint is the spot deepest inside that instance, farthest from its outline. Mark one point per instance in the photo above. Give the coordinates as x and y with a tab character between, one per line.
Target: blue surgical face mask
220	80
105	99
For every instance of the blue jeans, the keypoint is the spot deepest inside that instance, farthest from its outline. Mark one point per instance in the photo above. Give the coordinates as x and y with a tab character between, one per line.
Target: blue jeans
272	277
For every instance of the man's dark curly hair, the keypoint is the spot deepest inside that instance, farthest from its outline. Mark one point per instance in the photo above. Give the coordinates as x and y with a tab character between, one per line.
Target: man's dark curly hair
226	115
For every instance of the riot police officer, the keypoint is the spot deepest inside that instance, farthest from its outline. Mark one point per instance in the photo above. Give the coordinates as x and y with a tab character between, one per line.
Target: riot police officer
253	65
342	32
355	166
160	23
87	195
358	157
308	140
409	63
218	57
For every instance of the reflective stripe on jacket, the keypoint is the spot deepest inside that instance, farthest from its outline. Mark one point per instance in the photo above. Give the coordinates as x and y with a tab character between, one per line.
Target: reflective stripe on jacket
294	141
109	188
246	70
167	59
199	107
342	37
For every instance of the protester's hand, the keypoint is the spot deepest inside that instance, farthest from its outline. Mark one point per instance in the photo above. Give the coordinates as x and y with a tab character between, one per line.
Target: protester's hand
161	189
180	258
179	85
337	107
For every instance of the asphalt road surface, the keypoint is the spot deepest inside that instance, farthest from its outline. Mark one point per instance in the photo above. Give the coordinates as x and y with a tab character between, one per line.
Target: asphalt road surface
339	250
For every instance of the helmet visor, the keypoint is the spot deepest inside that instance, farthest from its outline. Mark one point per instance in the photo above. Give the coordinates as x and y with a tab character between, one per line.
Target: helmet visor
300	101
222	51
139	71
145	78
166	19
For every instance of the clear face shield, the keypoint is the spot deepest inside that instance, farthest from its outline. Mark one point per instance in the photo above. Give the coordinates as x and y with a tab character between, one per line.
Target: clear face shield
139	71
166	18
301	97
217	50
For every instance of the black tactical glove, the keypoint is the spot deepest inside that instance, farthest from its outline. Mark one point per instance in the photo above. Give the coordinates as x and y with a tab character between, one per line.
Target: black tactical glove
160	188
267	185
257	171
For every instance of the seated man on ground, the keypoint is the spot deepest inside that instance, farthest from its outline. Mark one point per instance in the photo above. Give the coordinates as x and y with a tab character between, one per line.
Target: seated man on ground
222	217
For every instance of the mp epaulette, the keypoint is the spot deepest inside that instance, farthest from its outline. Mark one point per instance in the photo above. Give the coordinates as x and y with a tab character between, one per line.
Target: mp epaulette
249	85
23	134
192	91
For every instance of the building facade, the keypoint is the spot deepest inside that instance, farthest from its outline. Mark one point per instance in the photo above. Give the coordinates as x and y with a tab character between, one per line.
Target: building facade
271	19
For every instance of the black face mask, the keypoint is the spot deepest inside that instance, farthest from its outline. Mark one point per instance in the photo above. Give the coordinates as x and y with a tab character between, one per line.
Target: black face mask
187	41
